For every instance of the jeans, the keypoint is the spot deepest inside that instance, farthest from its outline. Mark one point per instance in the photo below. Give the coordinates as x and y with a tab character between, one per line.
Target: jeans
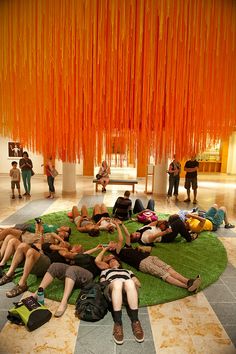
173	183
26	176
50	180
138	206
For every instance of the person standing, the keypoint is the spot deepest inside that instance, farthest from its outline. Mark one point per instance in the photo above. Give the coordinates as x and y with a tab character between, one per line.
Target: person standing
104	172
122	208
15	179
26	167
174	177
191	168
50	178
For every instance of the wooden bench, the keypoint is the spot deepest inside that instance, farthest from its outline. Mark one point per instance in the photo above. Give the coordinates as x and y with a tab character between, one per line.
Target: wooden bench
128	182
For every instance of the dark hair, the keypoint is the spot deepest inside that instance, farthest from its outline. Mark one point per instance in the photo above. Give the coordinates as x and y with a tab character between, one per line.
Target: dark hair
127	194
118	260
69	231
94	233
163	222
14	163
25	153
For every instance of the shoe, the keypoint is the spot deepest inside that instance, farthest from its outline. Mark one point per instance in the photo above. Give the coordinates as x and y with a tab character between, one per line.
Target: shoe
194	210
19	196
59	313
168	198
6	279
195	285
176	198
29	195
48	197
13	197
1	271
25	194
187	200
17	290
118	334
137	331
229	226
195	201
52	197
103	190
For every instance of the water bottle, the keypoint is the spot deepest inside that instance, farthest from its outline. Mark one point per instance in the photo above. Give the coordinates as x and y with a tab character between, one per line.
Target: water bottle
40	296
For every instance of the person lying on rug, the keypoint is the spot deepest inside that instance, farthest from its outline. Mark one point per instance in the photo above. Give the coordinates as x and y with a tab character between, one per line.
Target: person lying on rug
214	217
74	276
91	225
12	241
162	231
37	261
122	289
146	263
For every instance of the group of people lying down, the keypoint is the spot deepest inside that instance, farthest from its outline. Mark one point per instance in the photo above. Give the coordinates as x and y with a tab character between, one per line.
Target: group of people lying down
47	253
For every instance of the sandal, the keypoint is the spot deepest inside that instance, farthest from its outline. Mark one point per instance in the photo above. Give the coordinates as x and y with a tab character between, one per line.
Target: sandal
17	290
194	236
6	279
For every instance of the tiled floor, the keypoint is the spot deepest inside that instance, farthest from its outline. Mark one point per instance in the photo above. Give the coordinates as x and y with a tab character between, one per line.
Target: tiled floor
204	324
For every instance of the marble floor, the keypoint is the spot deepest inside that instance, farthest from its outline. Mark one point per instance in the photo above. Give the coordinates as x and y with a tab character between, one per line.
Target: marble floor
203	323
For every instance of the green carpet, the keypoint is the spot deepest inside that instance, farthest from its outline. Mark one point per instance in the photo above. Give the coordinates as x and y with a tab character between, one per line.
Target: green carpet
205	256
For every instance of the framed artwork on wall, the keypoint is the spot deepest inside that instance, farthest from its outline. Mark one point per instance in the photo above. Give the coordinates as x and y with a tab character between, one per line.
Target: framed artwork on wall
15	150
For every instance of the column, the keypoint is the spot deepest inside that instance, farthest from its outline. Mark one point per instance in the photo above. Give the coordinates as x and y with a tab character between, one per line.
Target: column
68	178
160	177
231	166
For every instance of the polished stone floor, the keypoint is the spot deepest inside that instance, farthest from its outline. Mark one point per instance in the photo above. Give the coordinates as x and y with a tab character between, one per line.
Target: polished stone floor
203	323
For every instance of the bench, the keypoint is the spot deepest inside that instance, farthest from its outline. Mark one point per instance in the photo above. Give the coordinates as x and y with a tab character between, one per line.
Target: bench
128	182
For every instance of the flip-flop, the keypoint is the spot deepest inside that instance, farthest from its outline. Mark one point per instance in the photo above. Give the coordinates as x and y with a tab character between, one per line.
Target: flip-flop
17	290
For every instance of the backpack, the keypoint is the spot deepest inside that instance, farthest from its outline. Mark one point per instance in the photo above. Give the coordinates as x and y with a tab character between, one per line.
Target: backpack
147	216
91	304
30	313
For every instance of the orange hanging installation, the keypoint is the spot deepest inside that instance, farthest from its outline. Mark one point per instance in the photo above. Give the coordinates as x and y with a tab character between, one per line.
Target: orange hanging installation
93	77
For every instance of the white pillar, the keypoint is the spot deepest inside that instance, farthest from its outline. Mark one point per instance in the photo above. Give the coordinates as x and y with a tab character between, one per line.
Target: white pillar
231	165
160	178
68	178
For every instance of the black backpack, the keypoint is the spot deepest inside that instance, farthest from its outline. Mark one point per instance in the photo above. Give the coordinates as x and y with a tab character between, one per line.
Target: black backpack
91	304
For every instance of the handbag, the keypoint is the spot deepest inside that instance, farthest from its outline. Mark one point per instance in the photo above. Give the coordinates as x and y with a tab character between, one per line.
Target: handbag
32	173
30	313
54	172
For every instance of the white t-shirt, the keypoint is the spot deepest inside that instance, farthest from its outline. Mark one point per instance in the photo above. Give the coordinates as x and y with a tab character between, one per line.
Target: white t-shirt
152	231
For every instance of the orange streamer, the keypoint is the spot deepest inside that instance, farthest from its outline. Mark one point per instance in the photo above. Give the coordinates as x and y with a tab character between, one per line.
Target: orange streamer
95	77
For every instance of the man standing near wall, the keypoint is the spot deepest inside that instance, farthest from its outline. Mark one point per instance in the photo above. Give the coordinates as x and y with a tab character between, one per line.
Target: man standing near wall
191	168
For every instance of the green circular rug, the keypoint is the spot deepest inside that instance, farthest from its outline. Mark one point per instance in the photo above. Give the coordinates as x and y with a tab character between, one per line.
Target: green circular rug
205	256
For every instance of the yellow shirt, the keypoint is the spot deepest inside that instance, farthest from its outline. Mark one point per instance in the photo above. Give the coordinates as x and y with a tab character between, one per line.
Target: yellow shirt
194	225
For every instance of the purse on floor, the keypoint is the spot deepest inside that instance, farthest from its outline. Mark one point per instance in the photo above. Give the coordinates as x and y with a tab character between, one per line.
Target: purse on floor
30	313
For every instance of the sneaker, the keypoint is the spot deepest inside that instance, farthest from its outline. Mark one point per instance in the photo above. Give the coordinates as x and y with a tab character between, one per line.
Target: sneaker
229	226
187	200
194	210
195	285
195	201
20	196
13	197
118	334
137	331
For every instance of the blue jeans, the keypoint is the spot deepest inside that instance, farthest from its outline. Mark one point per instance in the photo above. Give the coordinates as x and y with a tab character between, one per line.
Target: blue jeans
50	180
26	176
138	206
173	183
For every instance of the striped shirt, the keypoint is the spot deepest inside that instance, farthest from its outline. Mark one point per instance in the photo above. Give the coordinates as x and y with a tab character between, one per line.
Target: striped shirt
116	273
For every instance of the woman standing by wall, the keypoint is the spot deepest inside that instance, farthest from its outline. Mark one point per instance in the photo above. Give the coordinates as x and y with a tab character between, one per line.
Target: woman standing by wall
174	177
26	167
